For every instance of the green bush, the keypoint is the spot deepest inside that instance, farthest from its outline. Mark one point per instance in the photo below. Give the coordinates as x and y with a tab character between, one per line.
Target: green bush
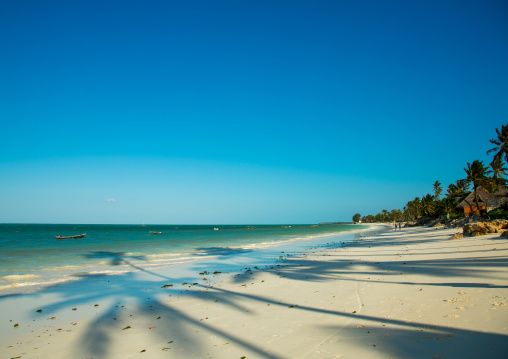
498	213
455	215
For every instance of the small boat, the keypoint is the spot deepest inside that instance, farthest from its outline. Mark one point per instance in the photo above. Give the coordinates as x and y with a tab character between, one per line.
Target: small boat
156	232
216	229
67	237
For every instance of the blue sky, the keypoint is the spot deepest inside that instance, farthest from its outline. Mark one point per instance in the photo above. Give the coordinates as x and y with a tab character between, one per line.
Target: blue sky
242	111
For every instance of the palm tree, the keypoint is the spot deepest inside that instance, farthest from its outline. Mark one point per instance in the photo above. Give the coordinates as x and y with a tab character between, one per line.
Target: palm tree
395	215
452	191
412	209
477	173
415	204
448	204
498	170
462	186
501	143
437	189
409	210
428	204
459	188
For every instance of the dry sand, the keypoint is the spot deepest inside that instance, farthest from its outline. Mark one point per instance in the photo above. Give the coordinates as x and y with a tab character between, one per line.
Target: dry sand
410	293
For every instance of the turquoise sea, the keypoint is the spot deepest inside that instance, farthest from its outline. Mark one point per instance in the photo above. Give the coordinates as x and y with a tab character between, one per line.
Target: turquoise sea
31	257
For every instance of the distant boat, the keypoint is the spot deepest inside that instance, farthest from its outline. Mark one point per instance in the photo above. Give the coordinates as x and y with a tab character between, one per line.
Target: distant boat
216	229
156	232
67	237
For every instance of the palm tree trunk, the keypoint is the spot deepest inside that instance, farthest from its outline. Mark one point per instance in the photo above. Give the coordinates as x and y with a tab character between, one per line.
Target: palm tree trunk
476	199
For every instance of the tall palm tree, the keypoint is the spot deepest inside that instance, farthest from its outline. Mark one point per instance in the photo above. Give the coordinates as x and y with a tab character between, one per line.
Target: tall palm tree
498	171
501	143
477	174
437	189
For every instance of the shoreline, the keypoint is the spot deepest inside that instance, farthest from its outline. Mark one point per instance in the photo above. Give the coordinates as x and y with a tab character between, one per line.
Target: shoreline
404	293
118	263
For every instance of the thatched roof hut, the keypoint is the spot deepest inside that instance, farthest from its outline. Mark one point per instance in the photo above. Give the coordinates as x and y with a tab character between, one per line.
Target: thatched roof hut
486	200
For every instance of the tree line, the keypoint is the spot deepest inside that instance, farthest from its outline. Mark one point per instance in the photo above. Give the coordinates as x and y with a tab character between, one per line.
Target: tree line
434	205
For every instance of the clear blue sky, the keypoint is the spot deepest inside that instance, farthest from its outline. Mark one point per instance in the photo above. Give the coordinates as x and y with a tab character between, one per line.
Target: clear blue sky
242	111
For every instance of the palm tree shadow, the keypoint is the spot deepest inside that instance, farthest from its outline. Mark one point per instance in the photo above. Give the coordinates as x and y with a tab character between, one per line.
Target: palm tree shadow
222	251
423	342
172	325
116	258
148	301
310	270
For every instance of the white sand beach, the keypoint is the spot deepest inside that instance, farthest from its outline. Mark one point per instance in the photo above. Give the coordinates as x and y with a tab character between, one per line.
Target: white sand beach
410	293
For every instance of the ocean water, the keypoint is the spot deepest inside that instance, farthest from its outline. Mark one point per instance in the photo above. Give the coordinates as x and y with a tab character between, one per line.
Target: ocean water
32	258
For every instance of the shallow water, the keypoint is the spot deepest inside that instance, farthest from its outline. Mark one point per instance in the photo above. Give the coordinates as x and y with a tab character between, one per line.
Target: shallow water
31	256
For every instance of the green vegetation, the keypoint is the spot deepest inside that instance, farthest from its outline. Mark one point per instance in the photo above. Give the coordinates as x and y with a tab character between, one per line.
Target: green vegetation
356	217
477	175
437	189
498	170
499	213
501	143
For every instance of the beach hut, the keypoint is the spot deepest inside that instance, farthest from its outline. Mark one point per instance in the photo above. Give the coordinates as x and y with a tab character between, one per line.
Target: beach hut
486	201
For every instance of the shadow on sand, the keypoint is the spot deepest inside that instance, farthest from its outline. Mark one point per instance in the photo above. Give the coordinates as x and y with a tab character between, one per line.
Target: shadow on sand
178	329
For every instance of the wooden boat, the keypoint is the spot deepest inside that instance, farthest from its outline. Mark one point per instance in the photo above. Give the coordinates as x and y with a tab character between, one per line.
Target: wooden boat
67	237
157	232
